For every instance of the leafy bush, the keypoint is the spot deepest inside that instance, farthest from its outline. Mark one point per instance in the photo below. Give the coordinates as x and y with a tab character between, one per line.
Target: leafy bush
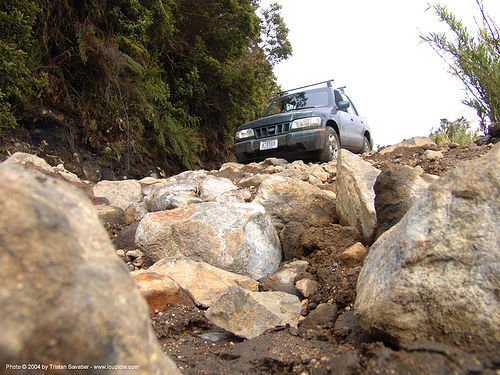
170	77
475	60
20	79
458	131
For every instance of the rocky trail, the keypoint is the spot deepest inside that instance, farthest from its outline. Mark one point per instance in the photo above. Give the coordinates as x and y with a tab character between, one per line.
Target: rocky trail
385	263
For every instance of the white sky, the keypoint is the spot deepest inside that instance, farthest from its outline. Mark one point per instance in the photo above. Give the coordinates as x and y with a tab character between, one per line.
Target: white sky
398	83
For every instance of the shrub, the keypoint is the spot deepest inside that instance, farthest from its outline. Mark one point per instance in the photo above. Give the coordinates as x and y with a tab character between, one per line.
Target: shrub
458	131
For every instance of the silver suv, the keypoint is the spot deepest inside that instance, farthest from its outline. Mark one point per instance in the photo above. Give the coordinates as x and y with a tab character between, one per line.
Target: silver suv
312	123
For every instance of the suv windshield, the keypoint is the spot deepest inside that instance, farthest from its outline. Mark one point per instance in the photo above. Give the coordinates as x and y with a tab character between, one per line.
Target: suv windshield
298	100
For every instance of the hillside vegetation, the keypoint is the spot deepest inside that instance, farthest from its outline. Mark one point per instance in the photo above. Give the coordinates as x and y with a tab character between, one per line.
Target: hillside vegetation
164	79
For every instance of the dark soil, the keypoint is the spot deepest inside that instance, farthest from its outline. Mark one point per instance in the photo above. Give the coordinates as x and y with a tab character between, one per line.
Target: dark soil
414	156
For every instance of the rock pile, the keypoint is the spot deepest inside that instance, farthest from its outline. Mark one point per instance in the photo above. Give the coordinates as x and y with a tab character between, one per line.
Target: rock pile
232	242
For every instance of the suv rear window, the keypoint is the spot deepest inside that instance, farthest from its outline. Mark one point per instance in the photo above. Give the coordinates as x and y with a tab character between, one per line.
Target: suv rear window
299	100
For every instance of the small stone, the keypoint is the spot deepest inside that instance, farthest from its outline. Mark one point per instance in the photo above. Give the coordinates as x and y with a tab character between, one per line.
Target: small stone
139	262
306	287
131	267
323	314
135	254
433	155
270	170
305	305
354	254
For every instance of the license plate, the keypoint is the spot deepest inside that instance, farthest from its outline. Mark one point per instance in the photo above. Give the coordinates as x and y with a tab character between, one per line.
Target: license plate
268	145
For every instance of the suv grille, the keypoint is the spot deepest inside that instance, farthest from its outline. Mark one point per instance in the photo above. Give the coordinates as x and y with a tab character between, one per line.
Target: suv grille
270	130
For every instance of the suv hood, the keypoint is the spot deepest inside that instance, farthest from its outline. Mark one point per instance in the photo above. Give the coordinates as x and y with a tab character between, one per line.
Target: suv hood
278	118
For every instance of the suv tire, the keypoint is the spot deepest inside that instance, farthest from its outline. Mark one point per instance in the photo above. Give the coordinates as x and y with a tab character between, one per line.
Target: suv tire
367	146
331	147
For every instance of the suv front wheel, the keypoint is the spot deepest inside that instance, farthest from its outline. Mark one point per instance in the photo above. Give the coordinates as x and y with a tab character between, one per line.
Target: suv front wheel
331	147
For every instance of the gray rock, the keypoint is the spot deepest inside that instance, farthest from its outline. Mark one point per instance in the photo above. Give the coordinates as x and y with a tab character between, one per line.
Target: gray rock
249	314
212	187
172	194
195	176
284	279
307	287
119	193
323	314
252	181
110	215
355	194
432	155
65	296
34	163
135	254
435	275
238	238
287	199
125	238
234	196
274	162
396	189
135	212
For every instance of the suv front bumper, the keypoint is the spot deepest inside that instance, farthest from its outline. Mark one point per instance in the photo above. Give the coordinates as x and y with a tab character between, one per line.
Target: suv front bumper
292	142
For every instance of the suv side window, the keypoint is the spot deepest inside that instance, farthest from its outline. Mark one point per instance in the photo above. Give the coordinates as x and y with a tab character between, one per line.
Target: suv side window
338	97
351	110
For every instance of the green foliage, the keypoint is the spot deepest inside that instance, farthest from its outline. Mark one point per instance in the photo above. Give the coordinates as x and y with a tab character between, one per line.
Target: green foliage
458	131
475	60
275	34
19	78
173	77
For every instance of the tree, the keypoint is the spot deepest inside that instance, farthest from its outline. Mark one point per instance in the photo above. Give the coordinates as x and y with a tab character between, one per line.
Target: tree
20	80
171	79
275	35
475	60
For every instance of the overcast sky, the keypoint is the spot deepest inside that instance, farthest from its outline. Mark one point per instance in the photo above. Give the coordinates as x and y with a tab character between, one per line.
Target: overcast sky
400	85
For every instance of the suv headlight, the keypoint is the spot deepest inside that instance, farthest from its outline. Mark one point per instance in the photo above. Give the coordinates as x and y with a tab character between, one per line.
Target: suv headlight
244	133
307	122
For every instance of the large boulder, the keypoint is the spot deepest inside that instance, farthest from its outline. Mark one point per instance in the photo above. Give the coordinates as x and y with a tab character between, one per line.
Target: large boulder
248	314
65	297
396	189
119	193
237	237
287	199
355	194
187	273
435	275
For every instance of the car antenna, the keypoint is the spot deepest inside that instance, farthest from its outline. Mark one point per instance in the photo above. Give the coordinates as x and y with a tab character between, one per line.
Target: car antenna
328	84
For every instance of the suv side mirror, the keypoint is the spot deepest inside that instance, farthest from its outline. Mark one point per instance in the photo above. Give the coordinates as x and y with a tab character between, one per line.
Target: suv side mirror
344	104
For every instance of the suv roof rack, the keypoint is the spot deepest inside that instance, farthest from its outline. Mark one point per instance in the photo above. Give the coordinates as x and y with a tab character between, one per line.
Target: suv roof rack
328	84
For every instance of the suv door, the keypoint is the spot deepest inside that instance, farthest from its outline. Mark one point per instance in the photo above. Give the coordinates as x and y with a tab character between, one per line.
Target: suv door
351	125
